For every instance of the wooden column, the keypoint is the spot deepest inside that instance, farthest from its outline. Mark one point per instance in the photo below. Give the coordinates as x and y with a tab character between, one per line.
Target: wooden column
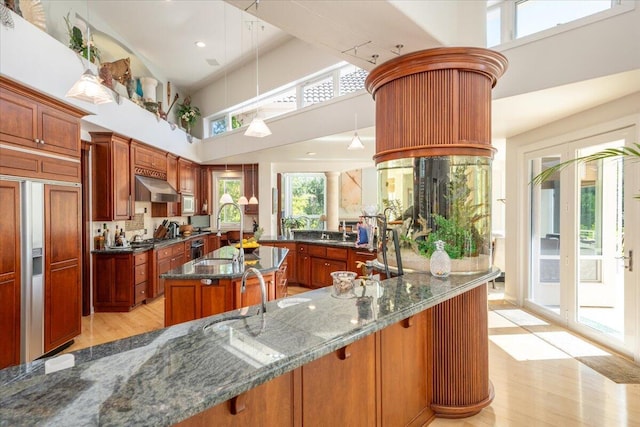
461	385
435	102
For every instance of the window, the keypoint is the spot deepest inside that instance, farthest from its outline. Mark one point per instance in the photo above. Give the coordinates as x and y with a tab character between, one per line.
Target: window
508	20
533	16
305	197
228	182
318	91
219	126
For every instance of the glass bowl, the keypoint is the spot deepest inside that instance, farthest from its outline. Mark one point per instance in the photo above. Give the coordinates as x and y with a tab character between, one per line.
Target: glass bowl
343	283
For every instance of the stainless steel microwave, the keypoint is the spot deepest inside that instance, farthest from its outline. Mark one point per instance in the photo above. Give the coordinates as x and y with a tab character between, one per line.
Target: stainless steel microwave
188	204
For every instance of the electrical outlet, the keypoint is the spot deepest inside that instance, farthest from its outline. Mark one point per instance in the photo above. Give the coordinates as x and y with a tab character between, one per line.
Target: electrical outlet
145	210
145	231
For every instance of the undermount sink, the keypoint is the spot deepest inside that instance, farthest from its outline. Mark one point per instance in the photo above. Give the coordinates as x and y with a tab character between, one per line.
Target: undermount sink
214	261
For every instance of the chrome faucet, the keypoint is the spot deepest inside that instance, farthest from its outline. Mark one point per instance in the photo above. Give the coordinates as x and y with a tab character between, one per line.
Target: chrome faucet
263	287
241	253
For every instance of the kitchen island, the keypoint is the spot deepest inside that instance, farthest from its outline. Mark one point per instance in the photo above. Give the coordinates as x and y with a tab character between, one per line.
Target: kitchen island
400	352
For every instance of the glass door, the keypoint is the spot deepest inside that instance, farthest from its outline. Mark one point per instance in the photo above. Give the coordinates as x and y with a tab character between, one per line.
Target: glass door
583	229
605	301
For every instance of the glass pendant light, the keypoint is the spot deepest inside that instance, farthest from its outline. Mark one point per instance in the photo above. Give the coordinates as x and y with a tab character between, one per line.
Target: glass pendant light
243	199
356	143
89	87
226	197
257	128
253	200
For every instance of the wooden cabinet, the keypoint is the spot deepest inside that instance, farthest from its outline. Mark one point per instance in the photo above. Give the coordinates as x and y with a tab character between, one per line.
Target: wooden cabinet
148	161
253	293
121	280
405	351
167	258
287	272
214	242
335	384
206	191
269	404
10	273
186	177
141	277
63	265
39	136
324	261
251	187
359	255
303	265
112	181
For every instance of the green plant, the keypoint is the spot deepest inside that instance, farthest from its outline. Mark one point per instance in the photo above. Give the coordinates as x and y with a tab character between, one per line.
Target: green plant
77	43
458	241
188	113
292	222
625	153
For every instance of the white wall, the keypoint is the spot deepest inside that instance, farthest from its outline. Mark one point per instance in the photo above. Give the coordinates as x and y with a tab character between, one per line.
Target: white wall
600	48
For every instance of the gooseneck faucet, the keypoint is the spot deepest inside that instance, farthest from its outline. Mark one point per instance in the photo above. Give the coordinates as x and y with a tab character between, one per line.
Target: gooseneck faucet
263	287
241	253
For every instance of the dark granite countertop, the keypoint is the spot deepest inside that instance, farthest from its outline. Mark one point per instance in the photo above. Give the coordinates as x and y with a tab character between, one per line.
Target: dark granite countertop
165	376
139	247
334	241
218	264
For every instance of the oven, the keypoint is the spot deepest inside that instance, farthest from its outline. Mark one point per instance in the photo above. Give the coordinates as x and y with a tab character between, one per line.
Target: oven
197	248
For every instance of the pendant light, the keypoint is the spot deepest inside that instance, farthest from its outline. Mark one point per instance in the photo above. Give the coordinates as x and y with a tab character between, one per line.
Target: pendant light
89	87
356	143
243	199
257	128
226	197
253	200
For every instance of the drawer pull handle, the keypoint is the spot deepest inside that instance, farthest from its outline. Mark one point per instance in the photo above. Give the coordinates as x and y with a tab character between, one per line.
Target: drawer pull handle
205	281
238	404
344	352
408	322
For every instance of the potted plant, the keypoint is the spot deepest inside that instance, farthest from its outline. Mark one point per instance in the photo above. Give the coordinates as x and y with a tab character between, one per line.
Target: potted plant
188	114
77	43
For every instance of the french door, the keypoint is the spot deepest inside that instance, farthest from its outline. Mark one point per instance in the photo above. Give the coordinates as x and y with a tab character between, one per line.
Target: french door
584	225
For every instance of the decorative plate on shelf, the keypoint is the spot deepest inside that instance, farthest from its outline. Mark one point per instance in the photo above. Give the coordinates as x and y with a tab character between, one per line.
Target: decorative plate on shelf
33	11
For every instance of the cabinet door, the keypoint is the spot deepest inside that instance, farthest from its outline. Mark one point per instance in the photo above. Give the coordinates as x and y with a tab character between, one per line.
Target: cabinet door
214	242
182	302
351	384
9	273
321	269
185	176
121	180
59	132
303	266
63	272
253	294
172	179
162	266
19	124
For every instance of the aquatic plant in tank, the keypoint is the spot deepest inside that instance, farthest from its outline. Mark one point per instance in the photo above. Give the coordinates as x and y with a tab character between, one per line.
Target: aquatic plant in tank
446	198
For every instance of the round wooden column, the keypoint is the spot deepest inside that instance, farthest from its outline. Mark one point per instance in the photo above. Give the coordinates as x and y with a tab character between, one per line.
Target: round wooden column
435	102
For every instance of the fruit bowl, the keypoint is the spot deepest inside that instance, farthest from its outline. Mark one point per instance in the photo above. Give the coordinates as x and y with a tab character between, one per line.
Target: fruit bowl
248	247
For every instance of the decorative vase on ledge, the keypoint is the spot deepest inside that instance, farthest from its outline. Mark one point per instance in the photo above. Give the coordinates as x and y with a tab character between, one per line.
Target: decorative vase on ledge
149	88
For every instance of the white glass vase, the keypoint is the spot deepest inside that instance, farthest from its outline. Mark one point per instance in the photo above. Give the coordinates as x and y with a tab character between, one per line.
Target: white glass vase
440	263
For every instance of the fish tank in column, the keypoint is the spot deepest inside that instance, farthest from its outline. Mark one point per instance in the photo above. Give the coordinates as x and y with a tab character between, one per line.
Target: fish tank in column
444	198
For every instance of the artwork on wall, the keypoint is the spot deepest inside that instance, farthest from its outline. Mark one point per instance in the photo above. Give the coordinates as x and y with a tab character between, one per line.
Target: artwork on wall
351	192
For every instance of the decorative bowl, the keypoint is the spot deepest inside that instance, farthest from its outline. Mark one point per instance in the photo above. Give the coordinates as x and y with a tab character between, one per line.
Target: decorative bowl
343	284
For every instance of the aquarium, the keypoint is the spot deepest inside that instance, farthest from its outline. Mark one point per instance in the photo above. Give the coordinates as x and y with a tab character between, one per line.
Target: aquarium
445	198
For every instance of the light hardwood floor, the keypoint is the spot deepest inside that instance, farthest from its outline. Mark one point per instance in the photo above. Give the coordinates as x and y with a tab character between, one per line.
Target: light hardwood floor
535	383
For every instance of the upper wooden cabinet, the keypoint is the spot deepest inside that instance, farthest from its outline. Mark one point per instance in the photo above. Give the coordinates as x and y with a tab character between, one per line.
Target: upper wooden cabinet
186	177
112	177
250	187
206	185
39	136
148	161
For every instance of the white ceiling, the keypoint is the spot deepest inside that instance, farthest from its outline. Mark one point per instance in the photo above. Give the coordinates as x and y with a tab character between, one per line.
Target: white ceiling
164	33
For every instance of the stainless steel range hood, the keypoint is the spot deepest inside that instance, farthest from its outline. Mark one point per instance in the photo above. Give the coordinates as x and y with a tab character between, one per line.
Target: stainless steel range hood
154	190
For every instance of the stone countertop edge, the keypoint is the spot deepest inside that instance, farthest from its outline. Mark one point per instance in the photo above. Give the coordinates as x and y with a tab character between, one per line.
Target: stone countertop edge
24	392
335	243
268	260
153	245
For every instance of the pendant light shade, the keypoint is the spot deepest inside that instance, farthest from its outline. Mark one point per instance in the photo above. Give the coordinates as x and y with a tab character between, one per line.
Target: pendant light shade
226	198
356	143
89	88
257	128
243	201
253	200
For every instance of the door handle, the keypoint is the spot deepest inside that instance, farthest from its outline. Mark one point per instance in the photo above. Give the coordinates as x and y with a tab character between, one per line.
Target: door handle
630	258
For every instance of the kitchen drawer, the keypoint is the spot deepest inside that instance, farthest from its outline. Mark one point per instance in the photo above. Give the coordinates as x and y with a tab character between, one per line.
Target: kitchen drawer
177	249
140	293
141	258
303	249
337	253
141	273
318	251
163	253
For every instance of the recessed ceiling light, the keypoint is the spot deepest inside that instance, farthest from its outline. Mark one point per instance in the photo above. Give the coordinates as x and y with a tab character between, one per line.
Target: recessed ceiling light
310	153
200	44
